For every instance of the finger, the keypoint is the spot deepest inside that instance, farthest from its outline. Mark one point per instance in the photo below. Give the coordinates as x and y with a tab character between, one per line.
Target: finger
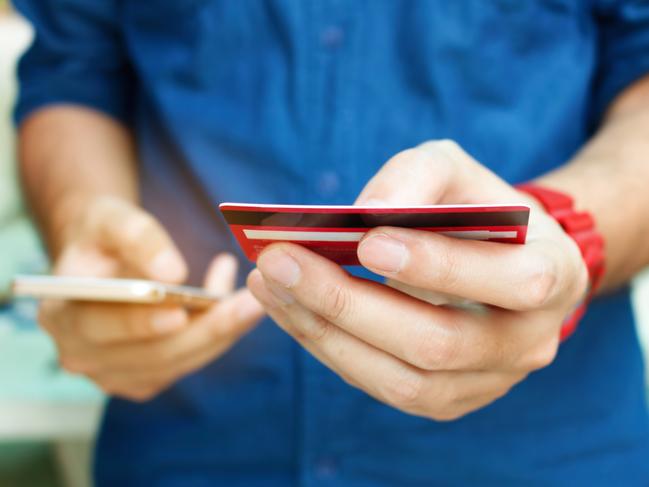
514	277
137	238
442	395
260	289
222	274
143	384
216	329
432	297
381	375
102	323
79	328
429	337
126	387
109	323
433	173
85	261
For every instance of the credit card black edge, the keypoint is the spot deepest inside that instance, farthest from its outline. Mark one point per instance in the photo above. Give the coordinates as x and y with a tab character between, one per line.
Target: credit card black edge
355	220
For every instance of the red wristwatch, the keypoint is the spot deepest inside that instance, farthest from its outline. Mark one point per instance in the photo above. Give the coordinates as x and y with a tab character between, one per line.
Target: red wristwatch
581	227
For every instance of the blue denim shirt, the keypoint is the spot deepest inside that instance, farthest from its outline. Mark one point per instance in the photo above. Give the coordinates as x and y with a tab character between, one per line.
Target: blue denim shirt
301	102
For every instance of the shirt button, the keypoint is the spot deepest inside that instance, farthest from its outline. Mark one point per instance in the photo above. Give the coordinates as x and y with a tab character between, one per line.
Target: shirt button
332	36
328	183
326	468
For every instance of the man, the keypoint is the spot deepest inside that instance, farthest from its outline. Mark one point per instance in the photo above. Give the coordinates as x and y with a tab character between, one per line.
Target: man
137	118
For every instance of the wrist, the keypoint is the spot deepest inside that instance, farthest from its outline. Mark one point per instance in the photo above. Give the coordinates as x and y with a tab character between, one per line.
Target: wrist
580	226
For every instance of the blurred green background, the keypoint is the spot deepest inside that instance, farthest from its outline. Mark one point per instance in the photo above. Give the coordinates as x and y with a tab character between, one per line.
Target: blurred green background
48	418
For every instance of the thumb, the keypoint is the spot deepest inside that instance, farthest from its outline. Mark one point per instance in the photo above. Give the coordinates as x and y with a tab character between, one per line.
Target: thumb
137	239
234	316
239	311
436	172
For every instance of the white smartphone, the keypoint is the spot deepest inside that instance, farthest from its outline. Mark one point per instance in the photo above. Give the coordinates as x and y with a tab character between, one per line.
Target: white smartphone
135	291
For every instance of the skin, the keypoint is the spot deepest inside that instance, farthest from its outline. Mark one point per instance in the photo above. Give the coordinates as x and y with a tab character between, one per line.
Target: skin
435	361
396	342
91	221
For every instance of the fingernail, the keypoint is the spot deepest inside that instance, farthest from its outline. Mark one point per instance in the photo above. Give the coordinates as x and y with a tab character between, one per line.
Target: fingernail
276	265
167	265
383	253
168	320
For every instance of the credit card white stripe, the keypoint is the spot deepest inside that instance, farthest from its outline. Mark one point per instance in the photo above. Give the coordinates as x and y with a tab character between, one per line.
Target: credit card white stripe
296	235
303	236
326	208
481	234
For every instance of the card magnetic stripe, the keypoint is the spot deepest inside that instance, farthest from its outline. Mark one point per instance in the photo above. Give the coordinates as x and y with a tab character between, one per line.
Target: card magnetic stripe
351	220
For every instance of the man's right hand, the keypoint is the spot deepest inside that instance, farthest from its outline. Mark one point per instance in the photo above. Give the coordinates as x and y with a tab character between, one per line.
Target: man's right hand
135	351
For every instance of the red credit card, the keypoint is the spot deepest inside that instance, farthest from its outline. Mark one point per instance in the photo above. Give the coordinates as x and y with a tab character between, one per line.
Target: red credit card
334	231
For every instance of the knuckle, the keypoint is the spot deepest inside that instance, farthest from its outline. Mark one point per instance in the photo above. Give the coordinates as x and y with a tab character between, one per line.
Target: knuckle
541	284
216	329
543	355
100	207
446	415
143	394
448	266
349	380
222	331
404	390
429	352
163	354
317	330
138	226
136	392
448	145
85	331
104	203
415	162
581	282
99	211
139	323
449	393
407	157
445	150
133	395
336	302
447	401
83	328
435	350
138	326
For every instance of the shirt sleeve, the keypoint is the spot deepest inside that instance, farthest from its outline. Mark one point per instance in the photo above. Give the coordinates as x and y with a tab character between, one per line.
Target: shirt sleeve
77	56
623	49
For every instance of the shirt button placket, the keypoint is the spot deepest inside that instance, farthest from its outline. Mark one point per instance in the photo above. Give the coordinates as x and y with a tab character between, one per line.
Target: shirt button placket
320	466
